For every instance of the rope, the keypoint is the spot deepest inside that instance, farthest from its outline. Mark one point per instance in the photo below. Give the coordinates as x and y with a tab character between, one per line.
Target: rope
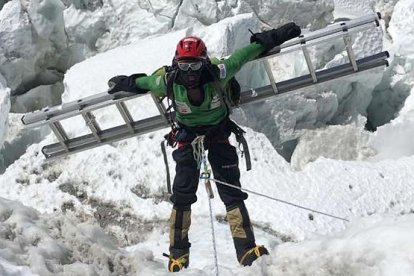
200	157
213	235
275	199
198	150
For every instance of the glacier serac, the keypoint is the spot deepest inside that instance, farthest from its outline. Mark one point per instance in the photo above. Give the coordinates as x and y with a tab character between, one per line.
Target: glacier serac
4	110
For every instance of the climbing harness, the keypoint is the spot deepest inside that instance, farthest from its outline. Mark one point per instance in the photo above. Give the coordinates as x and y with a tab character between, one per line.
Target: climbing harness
170	139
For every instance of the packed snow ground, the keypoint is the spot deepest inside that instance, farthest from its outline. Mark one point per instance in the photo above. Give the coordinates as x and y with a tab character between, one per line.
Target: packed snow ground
104	211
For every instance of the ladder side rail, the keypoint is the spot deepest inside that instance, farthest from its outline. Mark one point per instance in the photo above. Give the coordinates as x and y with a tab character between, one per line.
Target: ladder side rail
352	25
324	75
58	116
297	47
50	112
73	108
114	134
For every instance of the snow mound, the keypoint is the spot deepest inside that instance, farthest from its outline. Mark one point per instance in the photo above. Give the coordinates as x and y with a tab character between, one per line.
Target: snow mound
371	246
60	245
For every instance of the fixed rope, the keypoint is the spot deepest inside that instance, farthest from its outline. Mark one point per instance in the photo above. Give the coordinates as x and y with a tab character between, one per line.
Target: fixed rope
200	157
275	199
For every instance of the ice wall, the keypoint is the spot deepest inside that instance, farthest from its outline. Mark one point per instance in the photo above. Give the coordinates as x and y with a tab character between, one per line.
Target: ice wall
33	43
4	110
396	99
42	39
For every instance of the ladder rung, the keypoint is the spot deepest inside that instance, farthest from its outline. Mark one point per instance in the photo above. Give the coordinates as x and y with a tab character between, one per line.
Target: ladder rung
60	134
126	115
351	55
92	124
160	106
309	63
270	75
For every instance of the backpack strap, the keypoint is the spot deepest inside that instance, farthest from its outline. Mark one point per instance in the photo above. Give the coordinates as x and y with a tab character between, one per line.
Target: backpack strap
234	128
219	88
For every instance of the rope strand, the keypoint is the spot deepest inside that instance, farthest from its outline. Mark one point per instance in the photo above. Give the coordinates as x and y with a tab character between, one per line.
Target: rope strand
276	199
199	153
213	235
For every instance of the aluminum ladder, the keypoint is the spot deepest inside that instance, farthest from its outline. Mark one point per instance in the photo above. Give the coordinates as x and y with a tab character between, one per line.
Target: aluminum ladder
98	136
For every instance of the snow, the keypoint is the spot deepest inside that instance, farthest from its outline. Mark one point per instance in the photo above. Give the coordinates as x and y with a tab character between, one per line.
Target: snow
58	245
105	211
371	246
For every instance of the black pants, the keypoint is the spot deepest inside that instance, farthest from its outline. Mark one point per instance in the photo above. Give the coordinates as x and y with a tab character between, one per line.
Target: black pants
225	165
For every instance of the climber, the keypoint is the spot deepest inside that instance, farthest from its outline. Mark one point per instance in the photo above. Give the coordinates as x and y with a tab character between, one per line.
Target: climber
197	88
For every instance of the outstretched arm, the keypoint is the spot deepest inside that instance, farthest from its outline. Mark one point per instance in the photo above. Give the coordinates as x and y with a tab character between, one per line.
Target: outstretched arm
230	66
139	83
260	44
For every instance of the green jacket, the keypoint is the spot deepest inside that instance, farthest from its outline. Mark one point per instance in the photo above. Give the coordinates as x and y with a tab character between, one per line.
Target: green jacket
211	111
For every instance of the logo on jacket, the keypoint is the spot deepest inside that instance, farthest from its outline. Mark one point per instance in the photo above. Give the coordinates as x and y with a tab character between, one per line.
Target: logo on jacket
182	107
215	102
223	70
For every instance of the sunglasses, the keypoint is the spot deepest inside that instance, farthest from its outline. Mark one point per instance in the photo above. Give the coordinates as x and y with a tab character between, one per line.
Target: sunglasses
194	66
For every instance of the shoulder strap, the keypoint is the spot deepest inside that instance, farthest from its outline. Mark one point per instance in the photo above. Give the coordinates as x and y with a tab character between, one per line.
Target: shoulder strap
219	88
170	76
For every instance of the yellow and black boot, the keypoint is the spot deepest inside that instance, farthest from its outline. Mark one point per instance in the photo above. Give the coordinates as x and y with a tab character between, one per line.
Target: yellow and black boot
242	231
180	222
178	259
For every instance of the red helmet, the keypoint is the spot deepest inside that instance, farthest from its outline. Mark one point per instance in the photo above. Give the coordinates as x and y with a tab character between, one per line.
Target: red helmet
191	47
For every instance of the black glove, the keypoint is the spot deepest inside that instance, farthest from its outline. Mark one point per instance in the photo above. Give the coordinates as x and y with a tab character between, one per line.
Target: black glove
125	84
275	37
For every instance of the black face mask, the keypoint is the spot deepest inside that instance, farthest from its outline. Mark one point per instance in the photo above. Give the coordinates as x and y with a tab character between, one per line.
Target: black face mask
190	78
